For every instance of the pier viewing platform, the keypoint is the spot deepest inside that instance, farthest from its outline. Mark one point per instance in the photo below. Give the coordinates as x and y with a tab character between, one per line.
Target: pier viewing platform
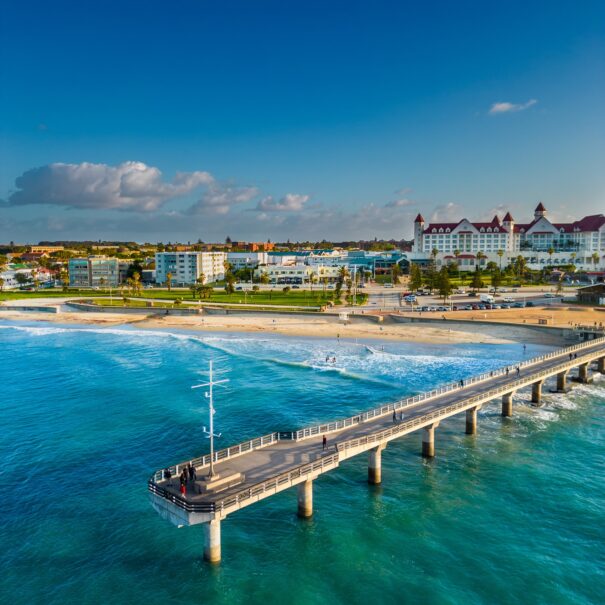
258	468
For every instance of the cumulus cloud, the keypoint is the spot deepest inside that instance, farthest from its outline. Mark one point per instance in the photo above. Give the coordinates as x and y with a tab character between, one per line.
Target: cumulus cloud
505	107
220	198
291	202
447	213
402	203
128	186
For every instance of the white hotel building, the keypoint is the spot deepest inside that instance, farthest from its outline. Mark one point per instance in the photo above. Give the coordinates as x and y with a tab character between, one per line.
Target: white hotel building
541	242
186	267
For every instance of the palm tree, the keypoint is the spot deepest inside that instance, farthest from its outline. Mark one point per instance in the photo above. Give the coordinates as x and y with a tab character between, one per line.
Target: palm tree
457	255
500	254
551	251
136	282
1	284
169	281
201	279
595	258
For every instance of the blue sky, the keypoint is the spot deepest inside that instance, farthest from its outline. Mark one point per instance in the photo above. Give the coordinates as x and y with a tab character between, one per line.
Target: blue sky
202	119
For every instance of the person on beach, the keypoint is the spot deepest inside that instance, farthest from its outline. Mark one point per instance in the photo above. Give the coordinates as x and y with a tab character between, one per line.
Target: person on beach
191	470
324	443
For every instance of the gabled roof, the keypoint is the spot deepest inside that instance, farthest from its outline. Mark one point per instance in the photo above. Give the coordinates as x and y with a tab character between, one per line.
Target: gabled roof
508	218
419	218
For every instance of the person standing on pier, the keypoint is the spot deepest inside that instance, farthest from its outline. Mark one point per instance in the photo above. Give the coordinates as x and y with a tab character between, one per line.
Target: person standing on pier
324	443
394	416
191	469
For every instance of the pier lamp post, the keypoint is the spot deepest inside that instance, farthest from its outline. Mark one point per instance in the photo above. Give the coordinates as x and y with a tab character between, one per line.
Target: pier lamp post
209	394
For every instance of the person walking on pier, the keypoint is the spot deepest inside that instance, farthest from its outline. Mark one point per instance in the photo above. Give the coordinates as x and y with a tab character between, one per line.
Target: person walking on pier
168	476
324	443
507	371
394	416
570	356
191	469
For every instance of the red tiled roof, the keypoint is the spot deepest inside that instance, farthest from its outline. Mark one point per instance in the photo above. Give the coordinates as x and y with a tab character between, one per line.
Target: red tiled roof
507	218
419	218
540	208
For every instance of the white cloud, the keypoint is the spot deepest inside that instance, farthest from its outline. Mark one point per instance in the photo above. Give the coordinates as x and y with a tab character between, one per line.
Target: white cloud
219	198
402	203
128	186
505	107
291	202
446	213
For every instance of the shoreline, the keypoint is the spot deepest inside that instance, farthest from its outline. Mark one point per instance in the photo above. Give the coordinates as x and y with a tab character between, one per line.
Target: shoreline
302	326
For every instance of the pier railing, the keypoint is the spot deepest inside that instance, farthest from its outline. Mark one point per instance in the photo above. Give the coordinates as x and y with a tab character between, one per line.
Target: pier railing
224	454
454	408
383	410
308	469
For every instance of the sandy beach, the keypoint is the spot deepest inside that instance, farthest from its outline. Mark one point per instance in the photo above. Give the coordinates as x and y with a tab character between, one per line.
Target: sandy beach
324	326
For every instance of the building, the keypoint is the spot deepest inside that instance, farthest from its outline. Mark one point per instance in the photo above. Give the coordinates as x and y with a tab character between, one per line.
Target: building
46	249
592	295
541	242
247	260
93	272
186	268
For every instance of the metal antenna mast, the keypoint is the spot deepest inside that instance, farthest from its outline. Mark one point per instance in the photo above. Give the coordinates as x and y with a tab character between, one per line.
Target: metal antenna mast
209	394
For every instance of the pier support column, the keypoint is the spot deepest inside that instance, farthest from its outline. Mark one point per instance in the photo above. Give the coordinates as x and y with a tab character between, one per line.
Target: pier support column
375	465
562	381
601	365
536	391
212	541
428	440
507	405
471	420
305	499
583	373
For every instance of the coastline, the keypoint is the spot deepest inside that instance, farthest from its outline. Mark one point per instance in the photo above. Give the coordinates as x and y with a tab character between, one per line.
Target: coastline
316	326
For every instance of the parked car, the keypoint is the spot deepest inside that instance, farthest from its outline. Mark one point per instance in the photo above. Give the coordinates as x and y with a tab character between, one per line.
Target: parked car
530	303
508	299
505	306
518	305
549	295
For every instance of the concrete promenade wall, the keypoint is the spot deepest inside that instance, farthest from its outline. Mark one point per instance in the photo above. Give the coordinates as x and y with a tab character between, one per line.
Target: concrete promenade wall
132	310
31	308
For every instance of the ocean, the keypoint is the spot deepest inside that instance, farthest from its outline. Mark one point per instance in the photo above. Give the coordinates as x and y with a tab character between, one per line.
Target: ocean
515	514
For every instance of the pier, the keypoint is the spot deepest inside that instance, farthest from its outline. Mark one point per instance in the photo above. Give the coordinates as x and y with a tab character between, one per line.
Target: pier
261	467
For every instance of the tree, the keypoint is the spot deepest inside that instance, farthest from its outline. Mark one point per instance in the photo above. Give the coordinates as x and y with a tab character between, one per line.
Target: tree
415	277
1	284
136	282
286	289
551	251
264	278
22	278
395	273
443	283
595	258
169	281
477	281
500	254
201	280
520	264
496	278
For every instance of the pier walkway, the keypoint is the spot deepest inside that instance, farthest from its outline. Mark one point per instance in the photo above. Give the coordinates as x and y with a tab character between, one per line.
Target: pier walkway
261	467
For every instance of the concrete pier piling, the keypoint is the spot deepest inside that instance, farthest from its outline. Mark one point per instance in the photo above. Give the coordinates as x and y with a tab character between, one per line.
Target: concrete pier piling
375	465
507	405
536	391
428	440
583	373
212	541
305	499
471	420
562	381
601	365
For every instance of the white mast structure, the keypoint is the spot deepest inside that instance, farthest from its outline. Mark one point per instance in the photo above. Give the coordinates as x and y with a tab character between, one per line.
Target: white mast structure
209	394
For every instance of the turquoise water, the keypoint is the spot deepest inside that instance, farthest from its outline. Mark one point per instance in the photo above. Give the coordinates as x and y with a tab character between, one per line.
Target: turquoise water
513	515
